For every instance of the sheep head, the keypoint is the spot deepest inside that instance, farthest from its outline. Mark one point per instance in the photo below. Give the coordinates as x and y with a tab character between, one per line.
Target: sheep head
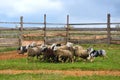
55	48
53	45
69	44
33	44
43	47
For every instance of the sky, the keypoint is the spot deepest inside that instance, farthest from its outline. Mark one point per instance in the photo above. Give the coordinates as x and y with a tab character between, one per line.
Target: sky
80	11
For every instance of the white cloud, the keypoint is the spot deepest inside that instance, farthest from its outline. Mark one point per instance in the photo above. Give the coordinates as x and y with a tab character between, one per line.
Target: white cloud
56	10
18	7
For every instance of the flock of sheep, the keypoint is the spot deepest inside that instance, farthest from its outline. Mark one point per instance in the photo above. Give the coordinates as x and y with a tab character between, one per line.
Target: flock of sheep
60	52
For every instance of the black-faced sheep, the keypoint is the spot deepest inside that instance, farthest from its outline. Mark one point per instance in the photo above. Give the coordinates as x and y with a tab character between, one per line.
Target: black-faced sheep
48	53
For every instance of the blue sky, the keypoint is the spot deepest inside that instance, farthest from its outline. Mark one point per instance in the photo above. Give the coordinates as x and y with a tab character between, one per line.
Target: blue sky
56	10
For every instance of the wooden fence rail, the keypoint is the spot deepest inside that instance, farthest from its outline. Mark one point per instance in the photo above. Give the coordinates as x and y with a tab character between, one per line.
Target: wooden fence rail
67	30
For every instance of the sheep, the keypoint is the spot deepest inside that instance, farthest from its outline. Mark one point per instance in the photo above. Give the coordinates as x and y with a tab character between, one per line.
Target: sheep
67	46
63	54
80	52
23	49
61	46
35	51
48	53
95	53
55	44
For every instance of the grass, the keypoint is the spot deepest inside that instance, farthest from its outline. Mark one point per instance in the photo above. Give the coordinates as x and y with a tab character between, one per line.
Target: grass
23	65
42	76
112	63
5	49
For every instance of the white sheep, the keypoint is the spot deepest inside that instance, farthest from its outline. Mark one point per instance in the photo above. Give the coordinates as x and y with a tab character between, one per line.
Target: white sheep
63	54
68	46
35	51
80	52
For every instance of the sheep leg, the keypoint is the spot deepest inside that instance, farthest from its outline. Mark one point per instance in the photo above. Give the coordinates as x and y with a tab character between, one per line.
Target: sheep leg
72	60
92	59
67	59
60	59
76	58
40	57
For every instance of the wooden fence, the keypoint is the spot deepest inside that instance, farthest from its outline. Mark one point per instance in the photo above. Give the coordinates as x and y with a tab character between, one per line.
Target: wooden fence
66	34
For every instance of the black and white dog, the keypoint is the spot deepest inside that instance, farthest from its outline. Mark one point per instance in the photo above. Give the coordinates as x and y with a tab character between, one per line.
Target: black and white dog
95	53
23	49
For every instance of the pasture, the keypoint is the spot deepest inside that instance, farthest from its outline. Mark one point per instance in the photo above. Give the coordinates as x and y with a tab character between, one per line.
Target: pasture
16	67
112	63
108	69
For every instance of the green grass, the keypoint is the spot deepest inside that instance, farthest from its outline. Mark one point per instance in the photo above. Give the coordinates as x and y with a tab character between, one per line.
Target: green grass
42	76
112	63
21	64
5	49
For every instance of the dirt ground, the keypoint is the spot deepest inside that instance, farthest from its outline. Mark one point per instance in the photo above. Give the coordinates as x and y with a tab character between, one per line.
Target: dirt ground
14	55
10	55
64	72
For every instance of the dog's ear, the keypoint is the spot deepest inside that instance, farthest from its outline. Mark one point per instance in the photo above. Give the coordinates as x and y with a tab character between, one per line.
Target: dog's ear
90	49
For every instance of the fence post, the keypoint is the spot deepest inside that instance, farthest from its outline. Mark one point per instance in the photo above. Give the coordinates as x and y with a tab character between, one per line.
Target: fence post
21	31
108	29
67	29
44	28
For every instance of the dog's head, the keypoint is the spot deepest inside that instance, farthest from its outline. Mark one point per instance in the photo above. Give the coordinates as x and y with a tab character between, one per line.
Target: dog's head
21	50
89	50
